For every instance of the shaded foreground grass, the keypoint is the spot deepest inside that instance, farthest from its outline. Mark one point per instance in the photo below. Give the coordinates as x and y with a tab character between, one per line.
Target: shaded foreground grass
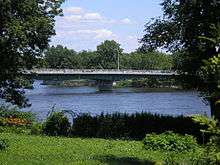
26	149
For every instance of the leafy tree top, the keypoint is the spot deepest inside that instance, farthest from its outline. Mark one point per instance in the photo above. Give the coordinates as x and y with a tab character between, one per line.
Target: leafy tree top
25	30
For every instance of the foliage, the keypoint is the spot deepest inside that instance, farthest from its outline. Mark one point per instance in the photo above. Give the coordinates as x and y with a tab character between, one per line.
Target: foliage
146	82
7	113
25	82
88	60
15	129
60	57
133	126
145	61
108	53
26	149
210	73
211	68
3	144
36	129
211	124
212	150
105	58
191	30
57	124
170	141
153	82
25	30
180	29
123	83
14	122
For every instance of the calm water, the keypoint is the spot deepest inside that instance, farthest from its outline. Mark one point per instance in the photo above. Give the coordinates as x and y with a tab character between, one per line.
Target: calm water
89	100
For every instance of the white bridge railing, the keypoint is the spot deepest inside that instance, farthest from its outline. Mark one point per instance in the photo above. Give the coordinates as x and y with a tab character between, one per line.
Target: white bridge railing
101	71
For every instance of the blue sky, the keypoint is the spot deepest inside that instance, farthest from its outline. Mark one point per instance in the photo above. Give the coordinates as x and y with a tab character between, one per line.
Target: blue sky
87	23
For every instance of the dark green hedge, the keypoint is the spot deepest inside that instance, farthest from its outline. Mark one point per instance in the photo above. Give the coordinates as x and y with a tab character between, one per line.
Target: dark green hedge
134	126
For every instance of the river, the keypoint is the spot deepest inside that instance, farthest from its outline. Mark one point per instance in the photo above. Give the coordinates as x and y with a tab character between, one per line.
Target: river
89	100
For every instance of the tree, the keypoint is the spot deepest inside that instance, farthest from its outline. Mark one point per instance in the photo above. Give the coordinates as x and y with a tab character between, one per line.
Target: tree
146	61
108	53
180	30
25	30
210	73
88	60
60	57
211	76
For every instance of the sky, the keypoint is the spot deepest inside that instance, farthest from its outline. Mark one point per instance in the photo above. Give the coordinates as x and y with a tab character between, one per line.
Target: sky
87	23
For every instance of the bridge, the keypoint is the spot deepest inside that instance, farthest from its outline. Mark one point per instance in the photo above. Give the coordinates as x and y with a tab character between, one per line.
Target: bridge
104	78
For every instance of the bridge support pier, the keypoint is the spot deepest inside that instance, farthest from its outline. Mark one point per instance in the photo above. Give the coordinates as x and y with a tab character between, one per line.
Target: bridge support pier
104	85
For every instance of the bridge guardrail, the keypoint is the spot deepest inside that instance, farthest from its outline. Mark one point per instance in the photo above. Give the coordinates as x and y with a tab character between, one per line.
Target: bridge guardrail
98	71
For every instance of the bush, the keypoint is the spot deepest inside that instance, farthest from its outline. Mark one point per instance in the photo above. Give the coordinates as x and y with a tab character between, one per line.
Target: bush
3	144
133	126
57	124
170	141
14	122
36	129
211	155
14	115
85	126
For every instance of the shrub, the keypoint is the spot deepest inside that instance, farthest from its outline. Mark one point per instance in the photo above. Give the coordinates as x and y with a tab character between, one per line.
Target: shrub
14	122
36	129
170	141
3	144
57	124
8	113
85	126
133	126
211	155
146	83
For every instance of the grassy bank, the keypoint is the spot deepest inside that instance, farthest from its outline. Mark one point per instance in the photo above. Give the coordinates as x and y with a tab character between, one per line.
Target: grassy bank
26	149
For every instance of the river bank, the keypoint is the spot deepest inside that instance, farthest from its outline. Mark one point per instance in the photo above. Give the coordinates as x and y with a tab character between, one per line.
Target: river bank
148	83
70	83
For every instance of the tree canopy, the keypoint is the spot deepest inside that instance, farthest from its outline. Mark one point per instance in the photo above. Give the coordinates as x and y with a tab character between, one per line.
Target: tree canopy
180	29
108	53
60	57
25	30
105	57
186	29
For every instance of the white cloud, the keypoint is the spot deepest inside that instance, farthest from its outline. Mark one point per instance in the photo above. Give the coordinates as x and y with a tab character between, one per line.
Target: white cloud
103	34
132	37
77	14
92	16
84	18
126	21
82	39
88	33
73	18
73	10
83	29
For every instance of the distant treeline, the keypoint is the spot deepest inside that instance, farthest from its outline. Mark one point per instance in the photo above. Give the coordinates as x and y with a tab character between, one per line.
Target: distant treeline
105	57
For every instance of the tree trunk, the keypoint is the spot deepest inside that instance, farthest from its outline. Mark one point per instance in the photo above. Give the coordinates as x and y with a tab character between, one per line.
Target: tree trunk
215	108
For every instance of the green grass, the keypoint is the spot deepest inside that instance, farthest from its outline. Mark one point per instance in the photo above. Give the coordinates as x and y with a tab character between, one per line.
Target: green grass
26	149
